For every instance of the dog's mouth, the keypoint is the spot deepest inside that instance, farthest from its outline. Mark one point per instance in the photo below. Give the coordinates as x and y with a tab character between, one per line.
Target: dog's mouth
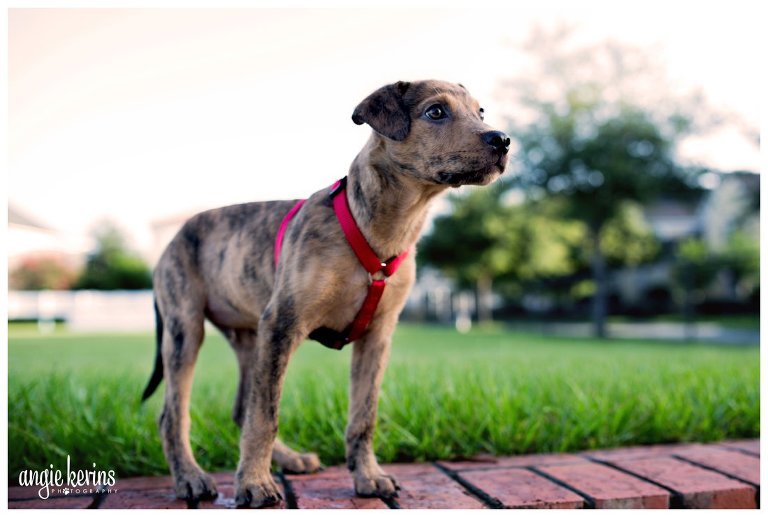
481	176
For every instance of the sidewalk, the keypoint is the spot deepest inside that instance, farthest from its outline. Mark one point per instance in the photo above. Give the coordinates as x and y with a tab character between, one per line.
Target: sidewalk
667	331
721	475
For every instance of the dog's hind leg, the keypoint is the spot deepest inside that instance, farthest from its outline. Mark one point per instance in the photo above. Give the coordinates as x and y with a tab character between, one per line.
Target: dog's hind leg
294	462
244	344
182	337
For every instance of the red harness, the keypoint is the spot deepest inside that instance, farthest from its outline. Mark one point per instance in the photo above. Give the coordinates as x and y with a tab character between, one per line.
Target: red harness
368	259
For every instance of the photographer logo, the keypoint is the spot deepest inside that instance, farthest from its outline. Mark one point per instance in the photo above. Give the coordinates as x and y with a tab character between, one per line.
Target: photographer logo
54	481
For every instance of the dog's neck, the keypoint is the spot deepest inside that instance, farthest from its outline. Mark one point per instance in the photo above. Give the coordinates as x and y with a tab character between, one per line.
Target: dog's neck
389	207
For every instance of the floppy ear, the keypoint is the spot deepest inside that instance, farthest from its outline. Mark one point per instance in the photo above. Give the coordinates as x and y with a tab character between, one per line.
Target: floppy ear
385	111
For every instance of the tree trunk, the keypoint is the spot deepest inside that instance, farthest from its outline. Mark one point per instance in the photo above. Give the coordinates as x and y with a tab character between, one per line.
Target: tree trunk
484	295
689	307
600	277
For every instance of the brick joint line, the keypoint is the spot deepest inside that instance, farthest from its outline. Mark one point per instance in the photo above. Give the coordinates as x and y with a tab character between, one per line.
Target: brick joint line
735	448
676	498
715	469
726	474
492	467
484	497
588	499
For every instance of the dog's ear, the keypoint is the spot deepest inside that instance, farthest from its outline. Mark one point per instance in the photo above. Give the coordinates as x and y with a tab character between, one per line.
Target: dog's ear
385	111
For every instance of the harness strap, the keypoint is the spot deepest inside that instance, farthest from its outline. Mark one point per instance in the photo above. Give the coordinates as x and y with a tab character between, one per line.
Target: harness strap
283	228
367	258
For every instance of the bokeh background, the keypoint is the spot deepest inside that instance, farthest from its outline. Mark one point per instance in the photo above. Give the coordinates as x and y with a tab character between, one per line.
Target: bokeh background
123	123
604	292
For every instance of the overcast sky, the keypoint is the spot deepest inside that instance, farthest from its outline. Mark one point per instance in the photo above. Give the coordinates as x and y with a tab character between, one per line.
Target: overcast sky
138	115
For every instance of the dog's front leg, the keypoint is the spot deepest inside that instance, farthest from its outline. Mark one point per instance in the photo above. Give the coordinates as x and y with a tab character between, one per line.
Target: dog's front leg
369	359
277	339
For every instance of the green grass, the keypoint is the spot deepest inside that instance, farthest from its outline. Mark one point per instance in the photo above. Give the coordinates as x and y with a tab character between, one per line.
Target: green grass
445	395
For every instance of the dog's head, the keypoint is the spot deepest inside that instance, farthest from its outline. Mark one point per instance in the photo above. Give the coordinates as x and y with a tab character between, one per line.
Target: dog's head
434	131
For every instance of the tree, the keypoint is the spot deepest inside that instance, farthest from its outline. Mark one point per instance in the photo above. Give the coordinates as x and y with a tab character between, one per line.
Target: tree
484	239
464	244
742	259
112	265
627	239
594	145
487	241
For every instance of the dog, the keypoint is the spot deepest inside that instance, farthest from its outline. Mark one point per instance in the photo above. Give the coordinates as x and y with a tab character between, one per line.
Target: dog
428	136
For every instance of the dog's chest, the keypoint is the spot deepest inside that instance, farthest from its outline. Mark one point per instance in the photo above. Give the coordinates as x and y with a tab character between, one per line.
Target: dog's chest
344	293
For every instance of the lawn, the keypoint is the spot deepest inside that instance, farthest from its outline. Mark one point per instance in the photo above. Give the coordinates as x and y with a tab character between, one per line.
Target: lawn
445	395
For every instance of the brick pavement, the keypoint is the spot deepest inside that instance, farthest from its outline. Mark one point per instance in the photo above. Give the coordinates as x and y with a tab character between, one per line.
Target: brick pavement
719	475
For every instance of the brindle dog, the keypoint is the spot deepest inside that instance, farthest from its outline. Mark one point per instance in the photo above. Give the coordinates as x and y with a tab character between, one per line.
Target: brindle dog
428	136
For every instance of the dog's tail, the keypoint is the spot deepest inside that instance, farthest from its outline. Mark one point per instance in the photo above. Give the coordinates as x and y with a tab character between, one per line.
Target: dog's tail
157	372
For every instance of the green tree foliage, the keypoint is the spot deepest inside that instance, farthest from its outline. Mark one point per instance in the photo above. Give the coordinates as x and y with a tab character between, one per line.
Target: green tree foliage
694	271
742	258
594	147
627	240
112	265
523	246
696	266
484	235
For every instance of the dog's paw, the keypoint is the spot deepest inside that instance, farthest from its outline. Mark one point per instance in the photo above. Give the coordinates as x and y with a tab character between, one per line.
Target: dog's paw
258	494
195	486
306	463
376	485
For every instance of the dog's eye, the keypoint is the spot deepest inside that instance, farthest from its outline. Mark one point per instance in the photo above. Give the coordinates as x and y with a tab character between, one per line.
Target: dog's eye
436	112
482	114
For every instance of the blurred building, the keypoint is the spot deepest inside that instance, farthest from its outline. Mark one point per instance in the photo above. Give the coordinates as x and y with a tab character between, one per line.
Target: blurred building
29	238
732	203
163	230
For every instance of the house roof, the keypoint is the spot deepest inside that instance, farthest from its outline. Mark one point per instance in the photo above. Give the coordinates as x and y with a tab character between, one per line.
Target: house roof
19	217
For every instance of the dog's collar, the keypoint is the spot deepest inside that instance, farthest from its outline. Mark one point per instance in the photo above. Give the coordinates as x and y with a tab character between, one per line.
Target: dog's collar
365	255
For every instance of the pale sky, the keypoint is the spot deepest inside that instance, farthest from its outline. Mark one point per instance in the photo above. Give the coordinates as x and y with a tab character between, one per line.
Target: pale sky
137	115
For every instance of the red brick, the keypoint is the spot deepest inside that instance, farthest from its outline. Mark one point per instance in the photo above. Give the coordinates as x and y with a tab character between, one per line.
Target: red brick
153	483
641	451
33	492
608	487
425	486
330	489
147	499
226	497
736	464
699	488
751	446
144	483
337	471
52	502
520	488
410	470
135	493
527	460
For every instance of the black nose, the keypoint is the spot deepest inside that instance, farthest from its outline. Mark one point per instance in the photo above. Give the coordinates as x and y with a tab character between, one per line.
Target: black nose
498	140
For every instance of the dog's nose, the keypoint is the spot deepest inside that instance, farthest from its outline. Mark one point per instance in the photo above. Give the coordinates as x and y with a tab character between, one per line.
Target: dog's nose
498	140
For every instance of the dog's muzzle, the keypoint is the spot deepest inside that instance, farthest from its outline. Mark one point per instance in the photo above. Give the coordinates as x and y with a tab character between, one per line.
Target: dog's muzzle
498	140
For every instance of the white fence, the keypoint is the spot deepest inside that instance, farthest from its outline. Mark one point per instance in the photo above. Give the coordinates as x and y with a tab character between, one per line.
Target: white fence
132	311
86	311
